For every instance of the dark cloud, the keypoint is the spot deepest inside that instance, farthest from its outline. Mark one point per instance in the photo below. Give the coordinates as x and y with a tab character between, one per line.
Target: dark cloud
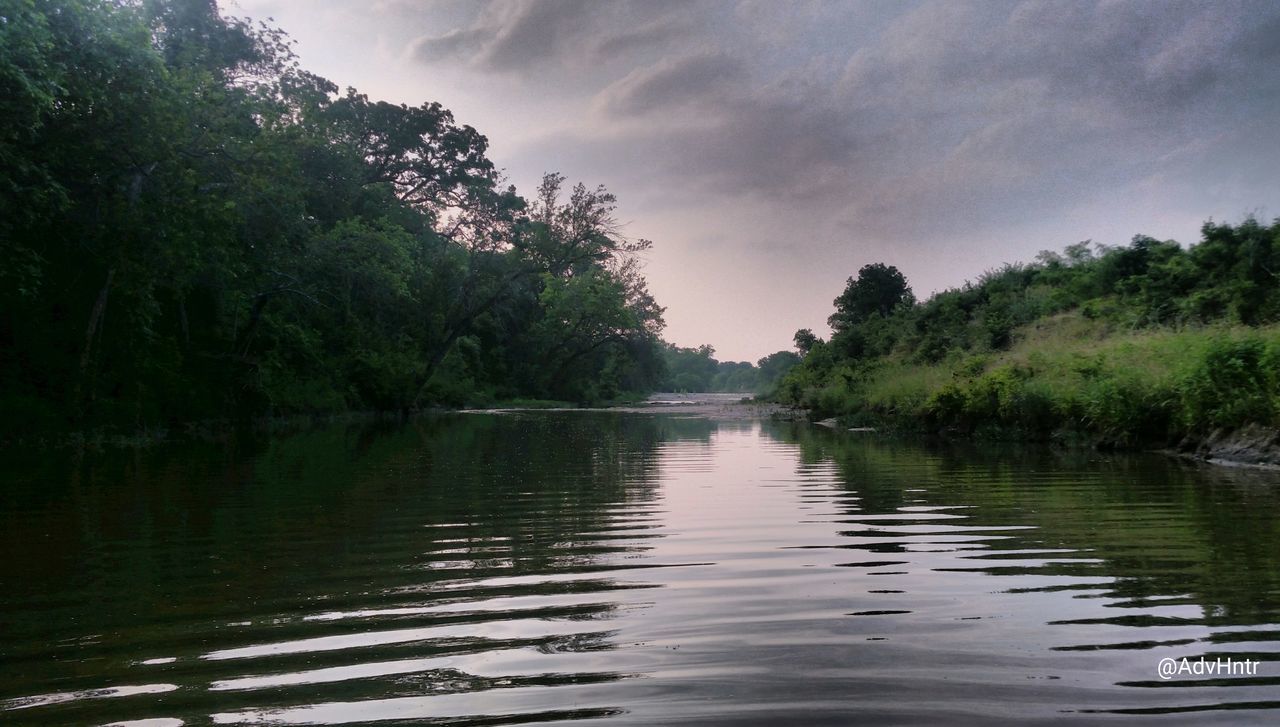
674	84
455	43
914	128
1141	57
1014	109
655	33
797	141
521	35
972	114
705	120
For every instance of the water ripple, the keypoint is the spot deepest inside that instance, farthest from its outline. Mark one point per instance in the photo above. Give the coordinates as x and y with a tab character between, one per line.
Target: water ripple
638	569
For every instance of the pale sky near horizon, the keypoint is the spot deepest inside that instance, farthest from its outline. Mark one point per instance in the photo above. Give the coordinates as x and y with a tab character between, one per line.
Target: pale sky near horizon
770	149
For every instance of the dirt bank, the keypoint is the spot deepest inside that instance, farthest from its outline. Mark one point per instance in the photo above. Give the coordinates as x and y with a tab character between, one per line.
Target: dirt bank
1252	446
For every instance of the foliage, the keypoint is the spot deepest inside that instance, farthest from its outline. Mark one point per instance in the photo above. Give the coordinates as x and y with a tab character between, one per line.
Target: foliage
192	226
1127	345
697	370
1234	381
877	291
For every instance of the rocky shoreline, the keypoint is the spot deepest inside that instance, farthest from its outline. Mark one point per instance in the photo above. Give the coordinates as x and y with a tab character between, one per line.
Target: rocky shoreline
1251	446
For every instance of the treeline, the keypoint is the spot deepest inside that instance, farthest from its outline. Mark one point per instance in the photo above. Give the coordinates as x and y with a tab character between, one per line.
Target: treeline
193	226
697	370
1151	342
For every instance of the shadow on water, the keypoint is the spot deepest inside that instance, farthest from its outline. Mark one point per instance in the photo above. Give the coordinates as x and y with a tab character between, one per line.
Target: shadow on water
634	568
199	560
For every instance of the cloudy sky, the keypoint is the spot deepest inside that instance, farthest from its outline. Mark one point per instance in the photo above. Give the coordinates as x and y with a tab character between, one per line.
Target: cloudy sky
770	149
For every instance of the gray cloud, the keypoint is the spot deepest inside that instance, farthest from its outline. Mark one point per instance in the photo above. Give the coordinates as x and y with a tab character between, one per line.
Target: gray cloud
705	120
1141	57
521	35
957	113
839	131
655	33
1023	106
954	111
674	84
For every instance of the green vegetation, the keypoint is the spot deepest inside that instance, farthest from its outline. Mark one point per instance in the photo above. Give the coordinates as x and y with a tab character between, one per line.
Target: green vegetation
696	370
1141	345
193	227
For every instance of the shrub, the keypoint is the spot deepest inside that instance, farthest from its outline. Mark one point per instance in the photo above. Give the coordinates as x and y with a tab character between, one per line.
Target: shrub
1126	409
1233	384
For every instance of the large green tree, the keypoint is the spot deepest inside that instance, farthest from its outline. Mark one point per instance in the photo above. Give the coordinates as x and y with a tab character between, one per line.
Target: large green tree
877	291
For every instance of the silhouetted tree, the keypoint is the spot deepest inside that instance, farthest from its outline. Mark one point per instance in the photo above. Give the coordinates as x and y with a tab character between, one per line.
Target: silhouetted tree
878	290
804	340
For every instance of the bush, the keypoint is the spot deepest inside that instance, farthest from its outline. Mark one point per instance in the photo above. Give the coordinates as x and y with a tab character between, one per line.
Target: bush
1234	384
946	406
1125	409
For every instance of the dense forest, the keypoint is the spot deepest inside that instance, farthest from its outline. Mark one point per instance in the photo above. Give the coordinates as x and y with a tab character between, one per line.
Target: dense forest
1150	343
194	227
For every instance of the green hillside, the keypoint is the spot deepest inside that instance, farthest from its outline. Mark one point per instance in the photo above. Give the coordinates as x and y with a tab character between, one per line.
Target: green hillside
1144	345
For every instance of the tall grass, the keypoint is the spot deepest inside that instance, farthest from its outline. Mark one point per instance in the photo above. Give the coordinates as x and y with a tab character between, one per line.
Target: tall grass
1071	375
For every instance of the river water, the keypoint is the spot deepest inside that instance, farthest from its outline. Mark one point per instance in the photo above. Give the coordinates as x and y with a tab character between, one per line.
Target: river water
632	568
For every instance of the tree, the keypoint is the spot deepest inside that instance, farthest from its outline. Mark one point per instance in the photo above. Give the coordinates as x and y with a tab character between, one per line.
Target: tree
805	340
429	161
584	314
690	369
193	226
878	290
554	243
774	366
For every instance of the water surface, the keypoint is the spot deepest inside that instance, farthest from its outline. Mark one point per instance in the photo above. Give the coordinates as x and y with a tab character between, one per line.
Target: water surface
630	568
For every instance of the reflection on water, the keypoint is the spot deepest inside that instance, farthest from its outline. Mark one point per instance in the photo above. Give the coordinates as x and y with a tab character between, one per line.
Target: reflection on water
630	569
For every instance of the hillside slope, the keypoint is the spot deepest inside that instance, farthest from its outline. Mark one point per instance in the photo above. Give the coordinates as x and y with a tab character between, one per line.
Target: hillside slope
1146	345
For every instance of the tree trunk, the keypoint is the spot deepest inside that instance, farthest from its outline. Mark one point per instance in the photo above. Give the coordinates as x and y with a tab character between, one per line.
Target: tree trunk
90	333
182	320
433	362
557	377
255	315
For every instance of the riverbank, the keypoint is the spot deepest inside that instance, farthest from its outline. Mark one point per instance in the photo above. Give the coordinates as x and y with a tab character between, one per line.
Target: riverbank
1251	446
722	407
1209	392
718	406
736	407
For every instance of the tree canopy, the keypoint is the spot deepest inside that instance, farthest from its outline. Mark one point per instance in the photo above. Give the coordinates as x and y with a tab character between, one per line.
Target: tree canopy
193	226
878	290
697	370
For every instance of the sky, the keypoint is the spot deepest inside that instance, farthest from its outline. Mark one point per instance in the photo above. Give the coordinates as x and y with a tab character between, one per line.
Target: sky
770	149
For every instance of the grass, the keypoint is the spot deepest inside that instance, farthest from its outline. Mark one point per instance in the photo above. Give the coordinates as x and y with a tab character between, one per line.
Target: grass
1071	375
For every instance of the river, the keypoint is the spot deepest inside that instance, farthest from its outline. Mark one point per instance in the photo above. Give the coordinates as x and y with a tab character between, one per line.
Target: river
632	568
